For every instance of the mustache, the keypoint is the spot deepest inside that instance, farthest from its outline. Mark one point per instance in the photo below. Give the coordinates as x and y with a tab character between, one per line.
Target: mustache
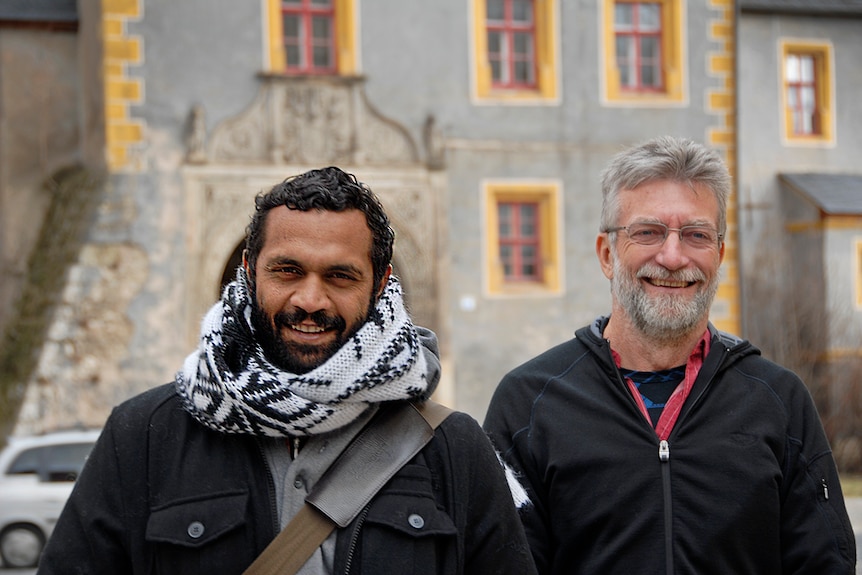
651	270
286	319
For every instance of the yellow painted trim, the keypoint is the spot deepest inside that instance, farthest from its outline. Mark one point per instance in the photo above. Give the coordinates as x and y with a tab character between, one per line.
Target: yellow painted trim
345	37
120	49
275	30
822	53
672	50
123	8
547	70
547	196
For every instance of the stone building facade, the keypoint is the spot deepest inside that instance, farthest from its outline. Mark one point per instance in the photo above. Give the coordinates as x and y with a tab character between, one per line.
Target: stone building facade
187	112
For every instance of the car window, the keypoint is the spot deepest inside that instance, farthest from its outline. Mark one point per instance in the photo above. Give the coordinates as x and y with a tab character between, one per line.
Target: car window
27	461
61	462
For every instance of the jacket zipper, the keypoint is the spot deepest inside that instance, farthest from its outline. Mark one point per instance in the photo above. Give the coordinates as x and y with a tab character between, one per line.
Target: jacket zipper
354	539
664	459
273	504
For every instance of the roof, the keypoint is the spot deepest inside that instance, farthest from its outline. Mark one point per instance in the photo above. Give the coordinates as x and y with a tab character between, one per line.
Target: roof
845	8
834	194
39	11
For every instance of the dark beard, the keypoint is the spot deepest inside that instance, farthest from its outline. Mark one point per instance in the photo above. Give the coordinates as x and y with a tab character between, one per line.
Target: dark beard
298	358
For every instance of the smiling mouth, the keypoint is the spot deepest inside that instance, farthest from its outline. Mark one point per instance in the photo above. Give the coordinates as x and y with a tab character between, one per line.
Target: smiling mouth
668	283
307	328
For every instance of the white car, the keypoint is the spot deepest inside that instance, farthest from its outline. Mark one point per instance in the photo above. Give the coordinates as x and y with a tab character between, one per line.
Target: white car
36	477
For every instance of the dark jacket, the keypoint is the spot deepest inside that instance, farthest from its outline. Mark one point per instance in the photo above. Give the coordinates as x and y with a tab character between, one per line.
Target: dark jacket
161	493
748	484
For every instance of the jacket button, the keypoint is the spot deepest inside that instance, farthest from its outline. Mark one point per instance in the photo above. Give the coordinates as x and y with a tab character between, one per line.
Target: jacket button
297	483
416	521
196	529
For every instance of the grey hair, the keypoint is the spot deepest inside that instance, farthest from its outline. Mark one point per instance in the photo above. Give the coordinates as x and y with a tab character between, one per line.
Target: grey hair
665	158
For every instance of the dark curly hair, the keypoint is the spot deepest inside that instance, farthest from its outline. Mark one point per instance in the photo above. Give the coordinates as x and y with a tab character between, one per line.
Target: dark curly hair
329	189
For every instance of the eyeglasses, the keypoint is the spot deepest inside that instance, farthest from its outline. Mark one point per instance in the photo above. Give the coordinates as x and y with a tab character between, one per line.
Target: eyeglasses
698	237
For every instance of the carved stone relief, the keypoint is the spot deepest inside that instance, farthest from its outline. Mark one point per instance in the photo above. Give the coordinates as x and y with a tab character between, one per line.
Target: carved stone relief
311	121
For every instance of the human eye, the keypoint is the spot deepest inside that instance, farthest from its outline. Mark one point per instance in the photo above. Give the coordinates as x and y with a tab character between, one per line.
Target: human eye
646	233
285	270
698	236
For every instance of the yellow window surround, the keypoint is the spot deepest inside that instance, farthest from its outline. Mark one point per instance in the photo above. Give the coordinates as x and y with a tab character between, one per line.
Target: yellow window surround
671	55
345	37
822	55
546	196
546	57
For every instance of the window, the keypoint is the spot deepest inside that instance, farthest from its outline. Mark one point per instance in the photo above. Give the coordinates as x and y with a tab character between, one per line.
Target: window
806	91
637	29
308	28
312	36
518	229
643	51
511	43
515	50
523	254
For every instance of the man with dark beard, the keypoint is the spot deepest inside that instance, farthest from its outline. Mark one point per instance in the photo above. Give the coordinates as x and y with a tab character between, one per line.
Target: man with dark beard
308	348
651	443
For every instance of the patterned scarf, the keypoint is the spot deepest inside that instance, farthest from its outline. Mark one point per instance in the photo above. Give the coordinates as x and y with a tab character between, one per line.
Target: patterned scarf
228	385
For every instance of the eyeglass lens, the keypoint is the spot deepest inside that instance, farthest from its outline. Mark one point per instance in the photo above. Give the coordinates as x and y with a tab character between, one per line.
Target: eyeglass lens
655	234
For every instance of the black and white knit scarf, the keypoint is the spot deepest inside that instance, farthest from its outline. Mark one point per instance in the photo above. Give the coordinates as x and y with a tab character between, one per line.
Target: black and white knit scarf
228	385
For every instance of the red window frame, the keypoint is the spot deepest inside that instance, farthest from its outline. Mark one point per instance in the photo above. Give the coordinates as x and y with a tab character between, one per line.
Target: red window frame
799	82
519	245
632	66
511	68
305	44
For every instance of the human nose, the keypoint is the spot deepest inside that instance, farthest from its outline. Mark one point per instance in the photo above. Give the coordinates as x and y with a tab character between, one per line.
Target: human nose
310	294
672	253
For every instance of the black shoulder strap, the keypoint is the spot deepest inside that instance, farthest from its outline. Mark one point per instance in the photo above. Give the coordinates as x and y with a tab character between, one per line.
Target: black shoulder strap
390	440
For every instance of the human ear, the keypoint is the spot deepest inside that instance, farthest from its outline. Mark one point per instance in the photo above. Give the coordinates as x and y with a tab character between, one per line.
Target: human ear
604	252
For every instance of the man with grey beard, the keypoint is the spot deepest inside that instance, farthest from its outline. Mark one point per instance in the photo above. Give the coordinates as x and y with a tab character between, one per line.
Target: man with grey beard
652	443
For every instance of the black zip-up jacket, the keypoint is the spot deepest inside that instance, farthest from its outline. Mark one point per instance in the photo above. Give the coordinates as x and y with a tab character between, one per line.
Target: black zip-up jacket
746	483
161	493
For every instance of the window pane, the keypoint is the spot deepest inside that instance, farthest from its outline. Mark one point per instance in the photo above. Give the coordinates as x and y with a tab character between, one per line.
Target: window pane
293	56
806	72
321	3
291	26
320	28
649	17
649	48
321	57
504	216
496	10
495	41
506	260
623	16
523	44
624	61
522	11
791	68
528	261
528	219
523	72
792	100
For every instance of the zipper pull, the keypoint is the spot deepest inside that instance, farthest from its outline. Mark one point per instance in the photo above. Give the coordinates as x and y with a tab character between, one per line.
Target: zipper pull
663	450
825	488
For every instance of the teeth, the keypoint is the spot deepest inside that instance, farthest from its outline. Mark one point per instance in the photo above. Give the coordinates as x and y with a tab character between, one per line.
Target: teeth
307	328
668	283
